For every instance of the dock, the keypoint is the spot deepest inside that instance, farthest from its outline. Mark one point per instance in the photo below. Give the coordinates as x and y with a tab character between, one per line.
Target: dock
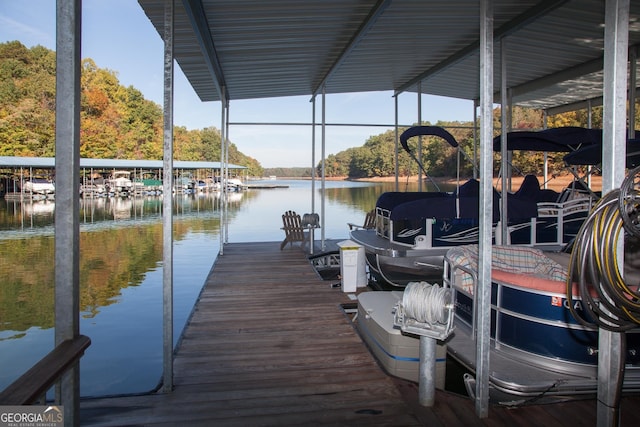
269	343
265	186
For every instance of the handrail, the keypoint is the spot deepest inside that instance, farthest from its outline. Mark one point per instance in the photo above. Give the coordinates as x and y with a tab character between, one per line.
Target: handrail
34	383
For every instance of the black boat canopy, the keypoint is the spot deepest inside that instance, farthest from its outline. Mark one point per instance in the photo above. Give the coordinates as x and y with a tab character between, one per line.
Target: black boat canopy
563	139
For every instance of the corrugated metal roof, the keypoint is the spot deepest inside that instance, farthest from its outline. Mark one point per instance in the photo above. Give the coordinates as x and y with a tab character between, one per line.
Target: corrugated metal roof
290	47
49	163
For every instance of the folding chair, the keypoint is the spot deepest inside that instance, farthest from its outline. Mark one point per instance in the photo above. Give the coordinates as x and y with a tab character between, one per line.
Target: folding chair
293	230
369	222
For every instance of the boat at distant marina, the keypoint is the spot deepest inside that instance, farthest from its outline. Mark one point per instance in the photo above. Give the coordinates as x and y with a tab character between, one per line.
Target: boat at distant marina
184	185
38	185
234	184
120	183
34	188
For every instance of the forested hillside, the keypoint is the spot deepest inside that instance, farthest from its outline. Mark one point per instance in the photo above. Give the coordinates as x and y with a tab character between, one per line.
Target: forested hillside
296	172
376	156
116	121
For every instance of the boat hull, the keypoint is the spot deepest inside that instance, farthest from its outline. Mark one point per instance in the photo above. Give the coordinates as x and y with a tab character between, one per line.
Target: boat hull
408	246
397	352
537	347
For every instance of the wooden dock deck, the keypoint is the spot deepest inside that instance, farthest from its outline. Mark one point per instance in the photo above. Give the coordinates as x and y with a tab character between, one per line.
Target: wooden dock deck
268	344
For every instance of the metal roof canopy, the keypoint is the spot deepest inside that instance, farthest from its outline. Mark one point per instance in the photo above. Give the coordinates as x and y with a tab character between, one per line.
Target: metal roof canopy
49	163
257	49
552	52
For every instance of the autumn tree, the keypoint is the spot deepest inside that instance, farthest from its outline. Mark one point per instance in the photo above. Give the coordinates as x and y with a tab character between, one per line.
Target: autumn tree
115	121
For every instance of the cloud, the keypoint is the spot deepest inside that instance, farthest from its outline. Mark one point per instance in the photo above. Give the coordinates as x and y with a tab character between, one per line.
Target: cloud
29	35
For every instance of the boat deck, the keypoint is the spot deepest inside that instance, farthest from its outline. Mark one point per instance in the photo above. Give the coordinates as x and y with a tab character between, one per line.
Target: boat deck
268	343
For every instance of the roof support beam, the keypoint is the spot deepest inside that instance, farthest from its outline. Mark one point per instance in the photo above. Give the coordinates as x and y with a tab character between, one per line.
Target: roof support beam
582	105
589	67
371	19
510	27
195	12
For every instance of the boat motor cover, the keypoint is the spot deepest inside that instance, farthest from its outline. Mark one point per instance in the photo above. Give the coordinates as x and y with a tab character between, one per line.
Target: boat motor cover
530	190
441	207
391	199
418	206
469	196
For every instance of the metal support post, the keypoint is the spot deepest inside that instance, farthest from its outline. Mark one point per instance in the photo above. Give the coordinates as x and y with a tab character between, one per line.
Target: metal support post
167	203
427	371
486	200
67	162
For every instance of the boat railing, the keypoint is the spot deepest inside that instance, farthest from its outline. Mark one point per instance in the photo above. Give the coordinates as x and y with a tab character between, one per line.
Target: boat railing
383	222
561	209
462	278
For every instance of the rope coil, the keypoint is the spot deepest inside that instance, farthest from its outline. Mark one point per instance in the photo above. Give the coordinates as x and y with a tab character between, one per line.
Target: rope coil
426	303
609	301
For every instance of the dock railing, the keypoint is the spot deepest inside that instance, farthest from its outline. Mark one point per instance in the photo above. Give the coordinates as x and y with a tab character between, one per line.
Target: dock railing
32	386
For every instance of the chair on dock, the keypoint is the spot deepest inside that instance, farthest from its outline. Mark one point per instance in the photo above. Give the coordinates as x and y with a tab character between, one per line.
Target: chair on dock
369	222
293	230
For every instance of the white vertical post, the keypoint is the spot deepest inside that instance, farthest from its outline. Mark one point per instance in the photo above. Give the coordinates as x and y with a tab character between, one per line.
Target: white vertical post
483	314
225	138
223	175
546	154
313	156
396	140
633	66
67	215
313	170
322	183
475	138
420	178
504	155
167	202
616	42
589	125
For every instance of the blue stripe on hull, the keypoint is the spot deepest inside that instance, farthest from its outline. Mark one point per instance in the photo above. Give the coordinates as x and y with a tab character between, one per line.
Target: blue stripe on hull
541	324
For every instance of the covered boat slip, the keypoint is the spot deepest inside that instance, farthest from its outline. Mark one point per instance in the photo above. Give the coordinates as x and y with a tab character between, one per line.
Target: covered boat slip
234	50
273	346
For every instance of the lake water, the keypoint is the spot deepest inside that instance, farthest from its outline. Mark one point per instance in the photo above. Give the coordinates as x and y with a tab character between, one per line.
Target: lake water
121	271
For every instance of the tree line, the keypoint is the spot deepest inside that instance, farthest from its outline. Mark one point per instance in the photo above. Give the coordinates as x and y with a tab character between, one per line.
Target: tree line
377	156
115	121
118	122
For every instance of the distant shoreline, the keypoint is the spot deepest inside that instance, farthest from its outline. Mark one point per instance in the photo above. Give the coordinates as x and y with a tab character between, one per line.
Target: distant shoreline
557	183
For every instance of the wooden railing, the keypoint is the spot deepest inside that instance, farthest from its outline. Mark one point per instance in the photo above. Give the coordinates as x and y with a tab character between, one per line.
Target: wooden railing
34	383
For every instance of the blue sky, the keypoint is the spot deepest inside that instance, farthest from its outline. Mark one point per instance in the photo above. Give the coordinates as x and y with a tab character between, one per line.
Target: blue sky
117	35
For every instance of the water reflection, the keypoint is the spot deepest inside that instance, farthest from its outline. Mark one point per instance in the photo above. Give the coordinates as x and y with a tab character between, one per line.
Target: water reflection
39	214
111	257
121	272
